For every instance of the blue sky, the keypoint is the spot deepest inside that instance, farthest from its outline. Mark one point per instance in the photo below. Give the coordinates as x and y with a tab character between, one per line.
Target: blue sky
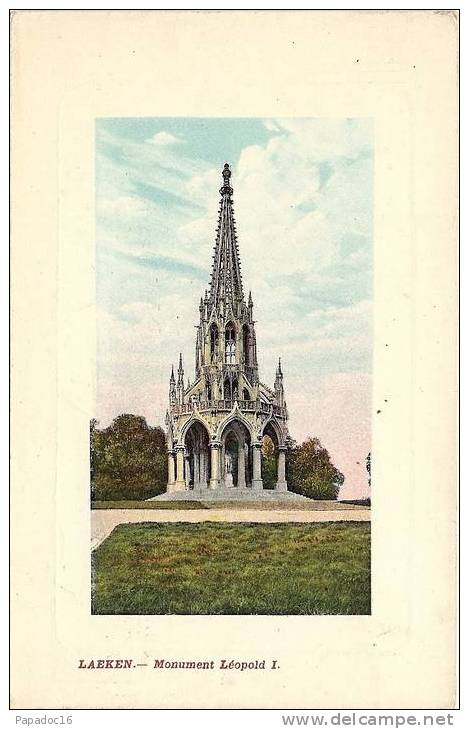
303	201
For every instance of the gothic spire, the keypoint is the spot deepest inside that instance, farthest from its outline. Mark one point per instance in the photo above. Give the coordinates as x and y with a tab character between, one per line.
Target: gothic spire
278	386
180	369
172	388
226	283
180	383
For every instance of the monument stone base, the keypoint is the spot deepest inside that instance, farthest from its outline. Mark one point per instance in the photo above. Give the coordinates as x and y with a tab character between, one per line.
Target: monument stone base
232	494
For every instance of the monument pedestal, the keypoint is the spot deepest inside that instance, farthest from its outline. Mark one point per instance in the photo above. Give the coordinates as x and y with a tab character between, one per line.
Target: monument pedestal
233	495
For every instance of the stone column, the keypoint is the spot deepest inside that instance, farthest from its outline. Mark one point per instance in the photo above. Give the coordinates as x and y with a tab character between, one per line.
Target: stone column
203	470
171	473
197	470
257	484
179	484
241	467
187	470
281	484
221	466
215	465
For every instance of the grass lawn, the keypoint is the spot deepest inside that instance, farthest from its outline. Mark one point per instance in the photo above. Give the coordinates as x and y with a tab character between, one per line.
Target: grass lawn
307	505
147	505
233	569
256	505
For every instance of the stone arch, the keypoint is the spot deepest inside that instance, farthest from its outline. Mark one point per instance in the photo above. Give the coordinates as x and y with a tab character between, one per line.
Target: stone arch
269	458
236	415
273	426
238	424
235	454
197	465
193	419
273	430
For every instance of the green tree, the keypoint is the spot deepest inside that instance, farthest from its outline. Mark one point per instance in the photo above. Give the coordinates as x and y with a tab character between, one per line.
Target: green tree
311	472
127	459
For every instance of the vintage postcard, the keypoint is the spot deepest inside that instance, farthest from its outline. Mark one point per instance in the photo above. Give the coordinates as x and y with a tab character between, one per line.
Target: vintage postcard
244	287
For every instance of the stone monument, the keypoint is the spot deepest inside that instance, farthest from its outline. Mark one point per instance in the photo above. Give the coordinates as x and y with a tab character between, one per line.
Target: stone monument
215	426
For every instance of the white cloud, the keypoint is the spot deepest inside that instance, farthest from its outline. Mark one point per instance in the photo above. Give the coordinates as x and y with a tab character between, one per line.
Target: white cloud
328	139
164	138
286	219
271	126
122	206
128	163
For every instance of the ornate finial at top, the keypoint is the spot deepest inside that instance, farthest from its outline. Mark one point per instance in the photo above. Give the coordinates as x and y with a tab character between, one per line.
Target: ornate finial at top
280	367
226	189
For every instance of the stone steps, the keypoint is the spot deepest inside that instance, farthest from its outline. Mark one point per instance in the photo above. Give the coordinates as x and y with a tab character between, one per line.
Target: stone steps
232	494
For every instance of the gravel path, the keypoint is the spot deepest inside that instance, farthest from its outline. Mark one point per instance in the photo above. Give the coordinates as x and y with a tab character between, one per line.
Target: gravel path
103	521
